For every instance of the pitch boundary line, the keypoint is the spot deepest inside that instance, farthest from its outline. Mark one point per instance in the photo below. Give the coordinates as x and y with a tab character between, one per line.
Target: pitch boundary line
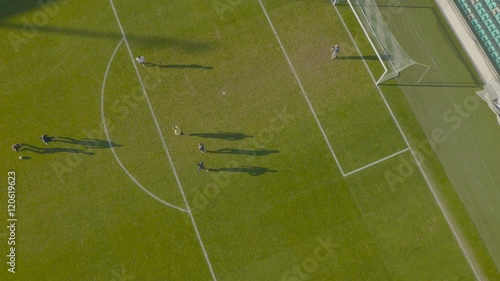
458	237
105	127
302	88
376	162
160	133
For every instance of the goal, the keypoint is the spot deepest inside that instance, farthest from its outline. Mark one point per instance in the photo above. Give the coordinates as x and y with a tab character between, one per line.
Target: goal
391	55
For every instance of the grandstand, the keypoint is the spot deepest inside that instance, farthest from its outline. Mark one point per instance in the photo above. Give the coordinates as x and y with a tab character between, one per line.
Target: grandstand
483	20
483	17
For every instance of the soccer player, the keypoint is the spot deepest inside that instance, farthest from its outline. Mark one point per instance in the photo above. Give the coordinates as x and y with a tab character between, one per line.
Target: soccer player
201	166
178	131
16	147
46	139
201	147
141	60
335	51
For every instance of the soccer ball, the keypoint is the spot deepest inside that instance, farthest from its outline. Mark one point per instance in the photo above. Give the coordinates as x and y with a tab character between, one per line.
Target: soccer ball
20	157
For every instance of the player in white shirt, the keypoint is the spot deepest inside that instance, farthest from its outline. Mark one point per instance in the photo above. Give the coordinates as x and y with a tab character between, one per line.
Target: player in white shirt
335	51
141	60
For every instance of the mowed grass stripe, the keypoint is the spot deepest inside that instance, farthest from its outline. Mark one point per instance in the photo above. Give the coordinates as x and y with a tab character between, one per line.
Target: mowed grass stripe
245	220
448	215
165	148
407	225
95	221
450	85
342	93
258	227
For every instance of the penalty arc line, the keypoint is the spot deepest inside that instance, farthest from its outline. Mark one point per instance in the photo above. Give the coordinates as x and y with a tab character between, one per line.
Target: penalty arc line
458	237
160	133
105	127
302	88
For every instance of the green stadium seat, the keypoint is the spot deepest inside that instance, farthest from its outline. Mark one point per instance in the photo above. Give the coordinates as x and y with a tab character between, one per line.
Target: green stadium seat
484	19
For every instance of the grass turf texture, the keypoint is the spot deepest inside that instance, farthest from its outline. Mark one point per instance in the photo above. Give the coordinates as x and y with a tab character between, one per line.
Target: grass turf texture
89	221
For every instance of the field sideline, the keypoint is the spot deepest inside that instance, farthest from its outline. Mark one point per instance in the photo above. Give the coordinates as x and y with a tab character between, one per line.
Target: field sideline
314	173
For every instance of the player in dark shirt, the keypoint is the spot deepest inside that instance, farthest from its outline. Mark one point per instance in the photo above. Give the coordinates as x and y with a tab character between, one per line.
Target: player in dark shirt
201	166
201	147
16	147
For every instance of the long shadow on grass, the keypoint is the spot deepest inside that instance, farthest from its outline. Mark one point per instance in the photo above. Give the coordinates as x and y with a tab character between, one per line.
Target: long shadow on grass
257	152
52	150
251	170
191	46
453	42
9	8
222	135
87	143
178	66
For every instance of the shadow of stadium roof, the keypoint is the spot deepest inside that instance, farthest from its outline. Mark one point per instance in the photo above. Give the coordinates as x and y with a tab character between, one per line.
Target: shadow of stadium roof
9	9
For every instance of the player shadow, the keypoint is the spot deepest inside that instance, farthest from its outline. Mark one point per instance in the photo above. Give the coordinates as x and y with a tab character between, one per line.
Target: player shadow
251	170
222	135
177	66
87	142
52	150
257	152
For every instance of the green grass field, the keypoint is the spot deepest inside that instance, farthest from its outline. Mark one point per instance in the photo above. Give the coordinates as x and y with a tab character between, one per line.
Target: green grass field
299	186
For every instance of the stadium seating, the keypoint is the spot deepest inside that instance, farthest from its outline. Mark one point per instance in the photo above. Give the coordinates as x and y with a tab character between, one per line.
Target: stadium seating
483	16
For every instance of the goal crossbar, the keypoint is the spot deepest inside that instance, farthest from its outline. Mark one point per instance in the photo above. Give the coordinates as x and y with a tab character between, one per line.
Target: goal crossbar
390	71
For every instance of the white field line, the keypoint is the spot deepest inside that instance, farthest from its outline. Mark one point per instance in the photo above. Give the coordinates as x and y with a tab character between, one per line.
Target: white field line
376	162
103	118
302	88
317	120
454	229
160	133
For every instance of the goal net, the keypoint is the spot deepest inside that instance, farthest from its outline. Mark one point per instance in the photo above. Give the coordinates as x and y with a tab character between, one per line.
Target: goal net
391	55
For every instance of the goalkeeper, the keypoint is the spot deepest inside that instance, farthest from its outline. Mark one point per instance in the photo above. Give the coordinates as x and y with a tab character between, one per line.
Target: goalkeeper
335	51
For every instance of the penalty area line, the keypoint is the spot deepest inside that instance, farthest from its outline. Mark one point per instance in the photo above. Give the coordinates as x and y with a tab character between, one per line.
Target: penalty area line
446	214
376	162
164	143
304	93
105	127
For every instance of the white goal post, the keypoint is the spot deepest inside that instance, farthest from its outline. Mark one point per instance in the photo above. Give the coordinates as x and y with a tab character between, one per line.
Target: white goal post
389	52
